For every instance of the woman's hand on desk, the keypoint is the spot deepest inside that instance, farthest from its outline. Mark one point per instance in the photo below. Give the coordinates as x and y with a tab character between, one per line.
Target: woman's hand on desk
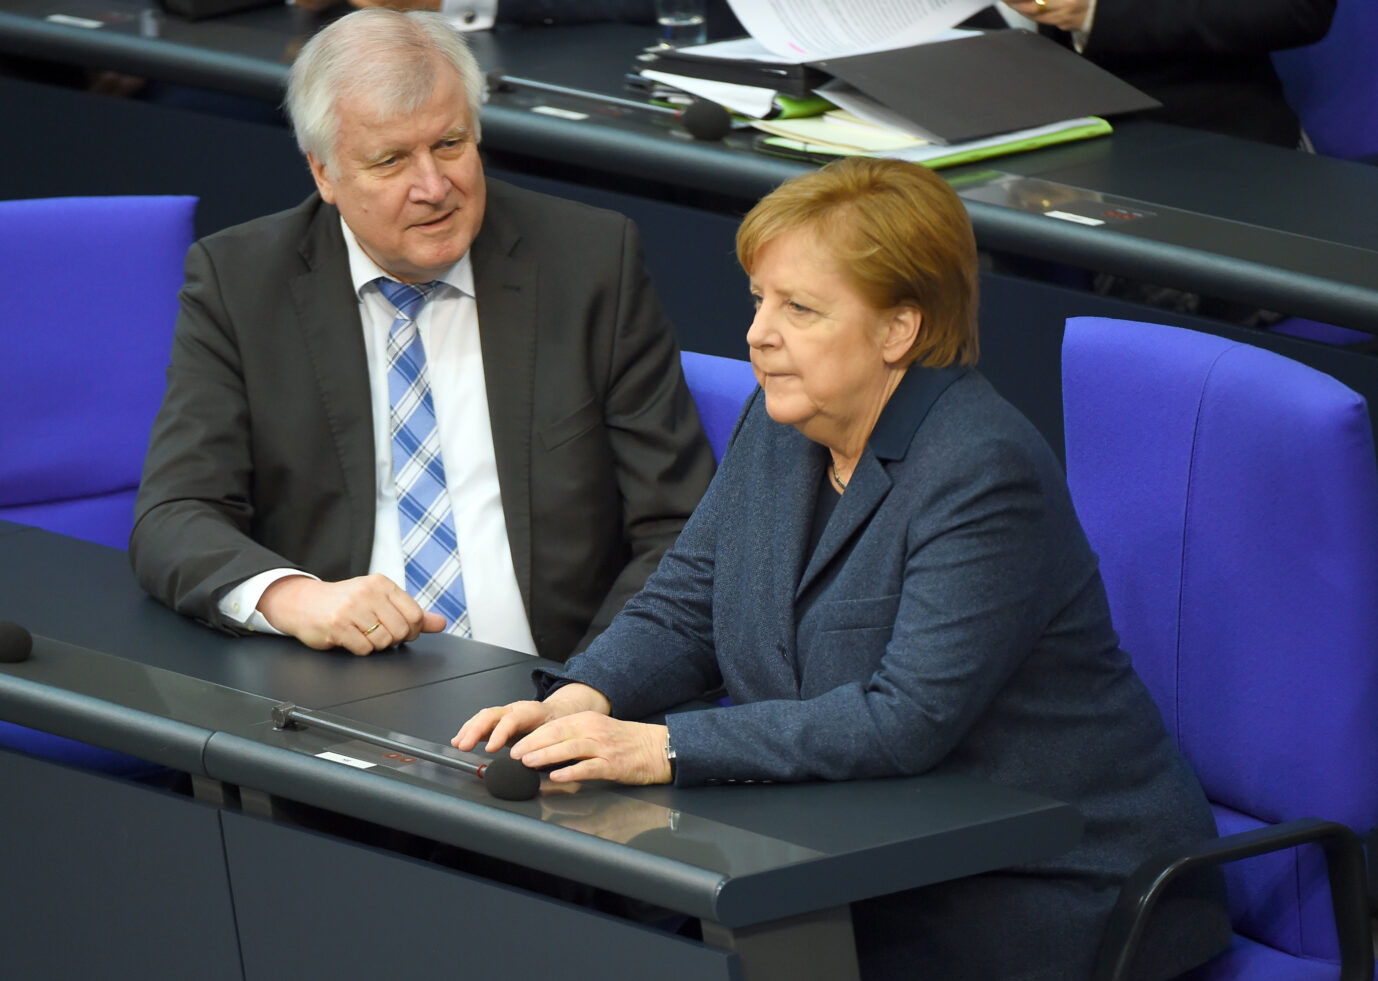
502	723
572	727
593	746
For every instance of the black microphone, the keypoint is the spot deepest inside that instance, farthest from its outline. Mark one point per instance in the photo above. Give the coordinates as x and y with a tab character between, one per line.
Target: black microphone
508	779
706	120
16	643
702	119
505	778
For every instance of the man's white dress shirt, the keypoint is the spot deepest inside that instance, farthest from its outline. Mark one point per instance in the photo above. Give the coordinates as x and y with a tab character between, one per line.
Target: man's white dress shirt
448	324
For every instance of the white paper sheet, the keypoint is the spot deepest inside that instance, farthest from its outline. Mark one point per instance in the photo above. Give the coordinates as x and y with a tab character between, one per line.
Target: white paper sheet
808	30
745	99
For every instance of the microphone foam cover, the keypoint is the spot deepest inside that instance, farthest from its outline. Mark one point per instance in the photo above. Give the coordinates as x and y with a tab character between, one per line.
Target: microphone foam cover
507	779
706	120
15	642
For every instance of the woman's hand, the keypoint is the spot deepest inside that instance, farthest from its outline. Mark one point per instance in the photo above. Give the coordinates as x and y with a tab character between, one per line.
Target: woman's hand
503	722
597	747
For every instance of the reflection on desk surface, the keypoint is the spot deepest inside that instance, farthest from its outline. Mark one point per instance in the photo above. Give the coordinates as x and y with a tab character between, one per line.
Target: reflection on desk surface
606	811
1040	196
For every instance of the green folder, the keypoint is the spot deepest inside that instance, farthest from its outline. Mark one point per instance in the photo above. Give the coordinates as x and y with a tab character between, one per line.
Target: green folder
938	155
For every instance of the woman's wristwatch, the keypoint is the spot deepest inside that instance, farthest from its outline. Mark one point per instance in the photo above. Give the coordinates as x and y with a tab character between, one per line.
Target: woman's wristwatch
670	756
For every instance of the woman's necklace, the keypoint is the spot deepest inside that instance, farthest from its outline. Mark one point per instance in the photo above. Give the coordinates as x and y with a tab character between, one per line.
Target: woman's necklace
838	477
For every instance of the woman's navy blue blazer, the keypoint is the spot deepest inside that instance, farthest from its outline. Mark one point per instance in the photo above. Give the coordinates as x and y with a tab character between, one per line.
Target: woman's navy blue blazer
951	618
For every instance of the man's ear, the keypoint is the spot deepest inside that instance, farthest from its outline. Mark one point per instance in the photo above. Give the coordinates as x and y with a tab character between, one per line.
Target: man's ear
322	177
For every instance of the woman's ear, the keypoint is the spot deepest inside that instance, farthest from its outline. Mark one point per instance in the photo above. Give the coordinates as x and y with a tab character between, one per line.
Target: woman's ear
901	332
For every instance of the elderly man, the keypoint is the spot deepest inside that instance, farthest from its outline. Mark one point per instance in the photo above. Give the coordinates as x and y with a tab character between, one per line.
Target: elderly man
418	401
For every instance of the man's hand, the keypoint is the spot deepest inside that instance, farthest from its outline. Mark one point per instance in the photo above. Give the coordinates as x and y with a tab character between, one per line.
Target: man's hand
1065	15
362	615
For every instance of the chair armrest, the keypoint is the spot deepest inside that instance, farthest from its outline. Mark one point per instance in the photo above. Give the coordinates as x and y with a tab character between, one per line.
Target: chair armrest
1344	857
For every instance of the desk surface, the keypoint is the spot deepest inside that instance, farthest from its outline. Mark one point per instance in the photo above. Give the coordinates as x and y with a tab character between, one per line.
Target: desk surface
1208	213
118	669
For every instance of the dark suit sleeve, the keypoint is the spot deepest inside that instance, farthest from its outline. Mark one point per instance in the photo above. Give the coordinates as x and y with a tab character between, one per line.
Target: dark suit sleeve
1193	28
662	458
193	512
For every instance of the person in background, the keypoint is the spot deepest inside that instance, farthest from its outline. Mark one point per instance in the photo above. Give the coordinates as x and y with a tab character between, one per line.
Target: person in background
1207	62
888	578
420	400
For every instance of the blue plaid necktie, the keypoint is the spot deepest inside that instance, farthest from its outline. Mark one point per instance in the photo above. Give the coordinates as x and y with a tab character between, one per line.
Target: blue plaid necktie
429	544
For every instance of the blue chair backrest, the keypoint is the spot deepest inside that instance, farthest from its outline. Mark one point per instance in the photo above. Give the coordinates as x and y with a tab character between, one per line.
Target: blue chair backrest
720	387
1232	496
1333	84
88	299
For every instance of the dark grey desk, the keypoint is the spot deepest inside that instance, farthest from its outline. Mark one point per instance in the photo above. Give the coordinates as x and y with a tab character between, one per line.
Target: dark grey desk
769	870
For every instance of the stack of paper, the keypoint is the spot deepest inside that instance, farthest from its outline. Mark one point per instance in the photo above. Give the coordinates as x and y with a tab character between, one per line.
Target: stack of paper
913	86
744	61
863	126
766	74
809	31
742	75
839	133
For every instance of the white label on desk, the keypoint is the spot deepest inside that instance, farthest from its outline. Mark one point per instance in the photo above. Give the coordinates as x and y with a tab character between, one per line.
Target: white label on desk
72	21
1079	219
560	113
346	760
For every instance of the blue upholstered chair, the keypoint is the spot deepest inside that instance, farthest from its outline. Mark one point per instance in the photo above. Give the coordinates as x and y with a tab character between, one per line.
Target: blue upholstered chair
1232	497
720	387
88	297
1333	84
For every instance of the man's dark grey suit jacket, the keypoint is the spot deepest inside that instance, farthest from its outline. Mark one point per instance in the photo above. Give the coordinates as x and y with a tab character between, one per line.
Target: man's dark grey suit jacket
262	455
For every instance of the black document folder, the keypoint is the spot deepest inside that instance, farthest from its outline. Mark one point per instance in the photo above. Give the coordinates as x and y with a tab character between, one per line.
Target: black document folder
796	80
991	83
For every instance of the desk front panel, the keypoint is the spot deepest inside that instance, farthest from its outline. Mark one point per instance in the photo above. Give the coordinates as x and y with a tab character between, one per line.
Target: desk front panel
100	878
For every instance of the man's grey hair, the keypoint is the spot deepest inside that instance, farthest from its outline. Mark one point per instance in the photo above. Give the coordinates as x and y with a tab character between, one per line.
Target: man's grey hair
391	59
